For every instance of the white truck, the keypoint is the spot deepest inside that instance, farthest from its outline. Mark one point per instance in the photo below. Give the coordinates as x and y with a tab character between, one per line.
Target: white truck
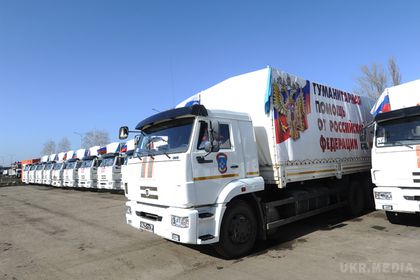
109	173
246	156
47	174
88	171
39	171
31	174
127	150
71	168
25	173
57	172
396	153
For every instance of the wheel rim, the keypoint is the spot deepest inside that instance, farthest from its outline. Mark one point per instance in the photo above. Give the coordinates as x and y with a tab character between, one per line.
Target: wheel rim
240	229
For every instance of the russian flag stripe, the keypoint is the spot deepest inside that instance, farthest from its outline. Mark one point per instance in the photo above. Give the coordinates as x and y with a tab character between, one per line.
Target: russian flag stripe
382	105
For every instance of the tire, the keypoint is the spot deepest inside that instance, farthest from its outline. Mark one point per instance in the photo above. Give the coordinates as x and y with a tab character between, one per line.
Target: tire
238	231
394	217
355	199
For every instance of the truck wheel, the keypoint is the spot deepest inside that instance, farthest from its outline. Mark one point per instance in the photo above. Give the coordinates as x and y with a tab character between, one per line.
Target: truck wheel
238	231
394	217
355	199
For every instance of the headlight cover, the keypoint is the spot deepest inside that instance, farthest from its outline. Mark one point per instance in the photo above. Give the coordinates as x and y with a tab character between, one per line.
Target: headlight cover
383	195
181	222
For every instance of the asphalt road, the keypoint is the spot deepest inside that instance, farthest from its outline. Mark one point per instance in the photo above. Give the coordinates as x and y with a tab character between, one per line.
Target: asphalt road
48	233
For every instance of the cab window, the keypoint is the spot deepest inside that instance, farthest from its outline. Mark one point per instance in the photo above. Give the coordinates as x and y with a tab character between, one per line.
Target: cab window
224	136
203	136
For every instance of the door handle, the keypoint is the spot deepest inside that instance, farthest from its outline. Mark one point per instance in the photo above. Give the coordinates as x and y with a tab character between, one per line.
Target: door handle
201	159
234	166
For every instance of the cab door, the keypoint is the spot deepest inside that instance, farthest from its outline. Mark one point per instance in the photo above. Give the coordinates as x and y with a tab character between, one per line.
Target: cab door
212	171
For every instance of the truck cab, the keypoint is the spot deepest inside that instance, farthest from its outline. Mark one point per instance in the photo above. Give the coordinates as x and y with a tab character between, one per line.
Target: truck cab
57	171
25	173
88	171
396	162
39	173
191	162
71	169
70	173
32	173
47	174
109	171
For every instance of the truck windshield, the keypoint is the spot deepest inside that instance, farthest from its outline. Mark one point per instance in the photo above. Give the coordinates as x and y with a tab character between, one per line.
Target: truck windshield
400	132
107	161
49	166
166	138
58	166
87	163
40	167
70	165
27	167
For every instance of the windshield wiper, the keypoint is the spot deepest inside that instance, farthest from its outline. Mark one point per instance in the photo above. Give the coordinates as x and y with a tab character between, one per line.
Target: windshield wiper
150	155
399	142
166	154
157	139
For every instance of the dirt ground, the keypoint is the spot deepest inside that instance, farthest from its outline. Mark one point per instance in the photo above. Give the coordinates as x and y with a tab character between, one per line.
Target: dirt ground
49	233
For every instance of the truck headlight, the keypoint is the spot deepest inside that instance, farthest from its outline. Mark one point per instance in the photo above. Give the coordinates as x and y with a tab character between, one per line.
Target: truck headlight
383	195
182	222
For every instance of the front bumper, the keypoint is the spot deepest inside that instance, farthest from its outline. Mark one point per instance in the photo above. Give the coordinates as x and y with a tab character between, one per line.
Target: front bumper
87	184
110	185
46	181
160	218
70	184
403	200
57	183
38	181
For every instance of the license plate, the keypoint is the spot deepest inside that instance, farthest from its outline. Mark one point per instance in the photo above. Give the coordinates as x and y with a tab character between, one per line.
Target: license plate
146	226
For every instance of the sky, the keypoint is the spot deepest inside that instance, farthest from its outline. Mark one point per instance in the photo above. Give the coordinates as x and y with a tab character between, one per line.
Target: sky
73	66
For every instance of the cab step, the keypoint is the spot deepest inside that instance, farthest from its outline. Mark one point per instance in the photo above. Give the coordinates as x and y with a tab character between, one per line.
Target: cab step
206	237
205	215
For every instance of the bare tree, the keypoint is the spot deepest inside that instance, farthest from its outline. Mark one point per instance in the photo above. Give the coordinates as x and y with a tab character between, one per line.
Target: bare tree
394	71
48	148
374	78
95	138
63	145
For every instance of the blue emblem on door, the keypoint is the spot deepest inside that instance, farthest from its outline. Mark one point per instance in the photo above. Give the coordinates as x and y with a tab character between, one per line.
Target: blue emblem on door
222	162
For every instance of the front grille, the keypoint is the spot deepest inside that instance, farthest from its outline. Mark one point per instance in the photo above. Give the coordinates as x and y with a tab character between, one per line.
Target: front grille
412	197
149	216
151	196
418	179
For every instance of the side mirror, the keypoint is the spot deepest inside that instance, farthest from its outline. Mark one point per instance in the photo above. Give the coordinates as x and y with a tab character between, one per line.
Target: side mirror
216	147
209	147
123	134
